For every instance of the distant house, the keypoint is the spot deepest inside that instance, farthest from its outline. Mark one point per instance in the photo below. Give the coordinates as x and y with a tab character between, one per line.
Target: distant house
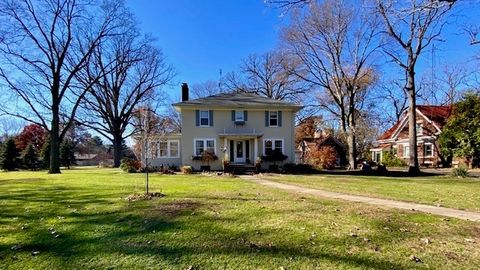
430	121
319	141
238	128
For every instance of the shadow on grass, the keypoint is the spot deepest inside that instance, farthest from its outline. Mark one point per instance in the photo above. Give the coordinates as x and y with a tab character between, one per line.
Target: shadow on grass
374	173
170	229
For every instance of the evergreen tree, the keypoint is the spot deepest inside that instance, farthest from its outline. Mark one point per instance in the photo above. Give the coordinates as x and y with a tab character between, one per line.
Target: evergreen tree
460	137
45	154
9	156
30	158
67	156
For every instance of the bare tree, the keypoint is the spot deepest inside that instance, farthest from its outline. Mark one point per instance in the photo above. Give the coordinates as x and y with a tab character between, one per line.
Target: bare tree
335	42
393	95
45	44
411	27
130	72
207	88
271	74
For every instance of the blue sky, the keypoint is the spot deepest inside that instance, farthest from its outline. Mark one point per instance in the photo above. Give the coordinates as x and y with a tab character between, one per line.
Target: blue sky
201	37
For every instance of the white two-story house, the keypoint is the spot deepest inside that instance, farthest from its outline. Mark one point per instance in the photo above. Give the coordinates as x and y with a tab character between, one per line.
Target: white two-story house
236	127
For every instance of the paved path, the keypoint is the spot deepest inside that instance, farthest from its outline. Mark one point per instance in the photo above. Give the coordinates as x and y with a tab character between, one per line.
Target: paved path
441	211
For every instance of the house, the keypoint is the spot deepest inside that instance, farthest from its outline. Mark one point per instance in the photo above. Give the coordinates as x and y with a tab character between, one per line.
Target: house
319	141
430	121
236	127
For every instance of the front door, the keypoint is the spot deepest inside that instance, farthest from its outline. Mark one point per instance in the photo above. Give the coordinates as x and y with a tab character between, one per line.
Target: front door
239	152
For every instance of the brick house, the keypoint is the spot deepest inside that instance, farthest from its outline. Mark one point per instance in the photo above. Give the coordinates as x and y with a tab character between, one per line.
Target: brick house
430	121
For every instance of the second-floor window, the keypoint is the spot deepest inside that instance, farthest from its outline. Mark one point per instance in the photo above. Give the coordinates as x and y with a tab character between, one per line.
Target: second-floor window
204	118
273	118
239	116
419	129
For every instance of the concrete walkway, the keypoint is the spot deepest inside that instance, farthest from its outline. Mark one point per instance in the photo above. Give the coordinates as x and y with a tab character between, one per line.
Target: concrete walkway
441	211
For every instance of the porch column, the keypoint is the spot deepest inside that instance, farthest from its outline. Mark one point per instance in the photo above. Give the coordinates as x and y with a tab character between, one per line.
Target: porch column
225	147
255	150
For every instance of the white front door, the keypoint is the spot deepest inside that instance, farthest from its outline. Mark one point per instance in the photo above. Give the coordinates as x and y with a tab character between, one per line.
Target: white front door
239	152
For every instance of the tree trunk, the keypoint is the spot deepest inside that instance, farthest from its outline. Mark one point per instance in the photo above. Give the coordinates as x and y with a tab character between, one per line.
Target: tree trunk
117	150
55	140
351	141
413	167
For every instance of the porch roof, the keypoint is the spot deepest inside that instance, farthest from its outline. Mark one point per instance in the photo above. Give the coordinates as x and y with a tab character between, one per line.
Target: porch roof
240	133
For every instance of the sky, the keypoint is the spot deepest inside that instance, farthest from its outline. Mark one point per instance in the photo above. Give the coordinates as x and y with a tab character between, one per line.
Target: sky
201	37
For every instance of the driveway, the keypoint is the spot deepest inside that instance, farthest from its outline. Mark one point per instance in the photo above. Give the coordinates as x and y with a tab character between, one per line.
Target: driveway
441	211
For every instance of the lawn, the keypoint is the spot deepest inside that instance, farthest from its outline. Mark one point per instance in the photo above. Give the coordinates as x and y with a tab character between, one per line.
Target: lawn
434	190
211	223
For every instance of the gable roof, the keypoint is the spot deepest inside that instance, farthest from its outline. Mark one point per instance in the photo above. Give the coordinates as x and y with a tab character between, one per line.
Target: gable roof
437	115
238	99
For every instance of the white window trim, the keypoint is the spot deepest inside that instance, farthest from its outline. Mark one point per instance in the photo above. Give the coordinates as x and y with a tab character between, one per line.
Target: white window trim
269	113
204	144
433	150
200	118
240	113
273	145
168	149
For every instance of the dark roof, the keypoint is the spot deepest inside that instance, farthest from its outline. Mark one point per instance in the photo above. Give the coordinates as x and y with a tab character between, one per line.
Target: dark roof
237	100
437	114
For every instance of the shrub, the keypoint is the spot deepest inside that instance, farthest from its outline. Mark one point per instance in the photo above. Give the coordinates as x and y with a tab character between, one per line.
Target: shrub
130	165
292	168
67	154
390	160
277	155
324	157
9	157
460	172
186	170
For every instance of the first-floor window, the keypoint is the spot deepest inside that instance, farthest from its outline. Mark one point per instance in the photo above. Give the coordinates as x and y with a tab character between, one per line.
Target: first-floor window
270	145
428	149
163	149
204	145
406	151
169	148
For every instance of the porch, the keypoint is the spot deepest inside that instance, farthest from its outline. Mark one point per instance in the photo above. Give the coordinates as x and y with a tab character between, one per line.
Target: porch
240	146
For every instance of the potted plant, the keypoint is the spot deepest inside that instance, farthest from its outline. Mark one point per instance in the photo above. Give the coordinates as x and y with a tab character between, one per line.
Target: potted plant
226	164
274	157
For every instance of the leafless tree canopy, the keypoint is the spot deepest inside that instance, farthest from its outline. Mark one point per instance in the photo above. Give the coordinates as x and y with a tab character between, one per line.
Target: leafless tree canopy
126	71
272	74
335	43
44	45
411	26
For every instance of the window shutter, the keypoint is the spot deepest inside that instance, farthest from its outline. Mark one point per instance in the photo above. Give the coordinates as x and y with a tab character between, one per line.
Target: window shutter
233	115
211	118
197	118
279	118
245	115
266	119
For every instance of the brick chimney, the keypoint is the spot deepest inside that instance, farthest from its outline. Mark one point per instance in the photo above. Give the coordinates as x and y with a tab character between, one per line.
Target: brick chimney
184	92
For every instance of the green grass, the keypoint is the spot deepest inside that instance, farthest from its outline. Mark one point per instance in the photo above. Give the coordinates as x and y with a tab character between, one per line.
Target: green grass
434	190
211	223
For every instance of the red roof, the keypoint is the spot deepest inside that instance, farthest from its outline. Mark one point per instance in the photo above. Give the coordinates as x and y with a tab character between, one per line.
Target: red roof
437	114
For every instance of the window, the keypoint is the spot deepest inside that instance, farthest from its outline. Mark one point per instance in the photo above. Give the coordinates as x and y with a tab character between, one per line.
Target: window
270	145
273	118
428	150
168	148
239	116
204	145
406	151
204	118
419	129
163	149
